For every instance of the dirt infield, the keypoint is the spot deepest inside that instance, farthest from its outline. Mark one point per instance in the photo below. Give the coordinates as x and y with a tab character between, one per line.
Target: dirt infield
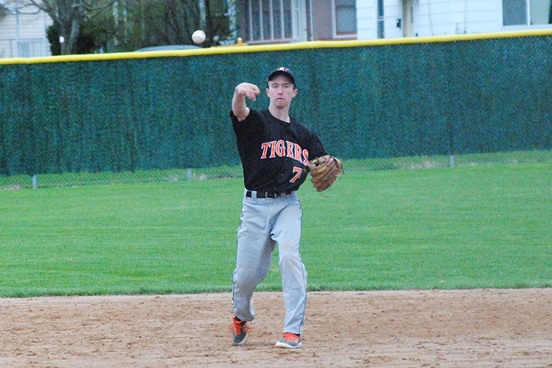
475	328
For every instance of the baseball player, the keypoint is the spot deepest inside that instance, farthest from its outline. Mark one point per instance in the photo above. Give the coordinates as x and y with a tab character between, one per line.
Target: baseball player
274	149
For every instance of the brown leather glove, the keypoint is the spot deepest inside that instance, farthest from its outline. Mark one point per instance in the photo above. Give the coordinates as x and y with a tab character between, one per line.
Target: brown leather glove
324	171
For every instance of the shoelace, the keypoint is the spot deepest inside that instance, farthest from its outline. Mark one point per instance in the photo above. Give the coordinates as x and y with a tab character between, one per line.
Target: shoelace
289	336
238	328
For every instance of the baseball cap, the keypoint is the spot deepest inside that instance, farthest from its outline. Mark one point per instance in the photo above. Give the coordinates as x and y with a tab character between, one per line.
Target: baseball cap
281	71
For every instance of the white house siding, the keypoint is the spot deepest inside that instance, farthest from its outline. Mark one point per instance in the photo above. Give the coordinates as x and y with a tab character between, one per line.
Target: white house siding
431	17
24	35
484	16
393	11
446	17
367	19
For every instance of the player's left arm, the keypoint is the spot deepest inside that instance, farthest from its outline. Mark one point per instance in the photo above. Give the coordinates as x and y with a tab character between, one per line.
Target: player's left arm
315	147
323	167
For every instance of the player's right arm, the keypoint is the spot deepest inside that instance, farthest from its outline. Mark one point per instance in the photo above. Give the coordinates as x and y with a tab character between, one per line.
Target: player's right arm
241	92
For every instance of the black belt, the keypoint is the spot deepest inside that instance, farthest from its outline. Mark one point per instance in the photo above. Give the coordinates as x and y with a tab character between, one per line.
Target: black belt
249	194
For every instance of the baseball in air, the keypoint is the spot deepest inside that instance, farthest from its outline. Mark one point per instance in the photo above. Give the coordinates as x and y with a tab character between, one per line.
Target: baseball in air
198	36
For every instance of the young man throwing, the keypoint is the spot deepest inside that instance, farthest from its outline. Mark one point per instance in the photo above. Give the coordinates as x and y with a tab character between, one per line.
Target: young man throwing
274	149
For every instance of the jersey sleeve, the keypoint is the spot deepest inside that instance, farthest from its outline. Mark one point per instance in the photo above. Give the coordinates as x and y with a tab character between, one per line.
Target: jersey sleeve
314	145
249	125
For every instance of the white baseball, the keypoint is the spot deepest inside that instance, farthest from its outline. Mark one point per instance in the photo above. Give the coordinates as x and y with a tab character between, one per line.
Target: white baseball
198	36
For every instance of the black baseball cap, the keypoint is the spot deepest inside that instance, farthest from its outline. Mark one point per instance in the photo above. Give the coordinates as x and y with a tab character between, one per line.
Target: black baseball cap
282	71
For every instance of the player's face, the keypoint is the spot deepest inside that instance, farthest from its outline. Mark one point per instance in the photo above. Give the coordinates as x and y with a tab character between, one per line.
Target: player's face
281	91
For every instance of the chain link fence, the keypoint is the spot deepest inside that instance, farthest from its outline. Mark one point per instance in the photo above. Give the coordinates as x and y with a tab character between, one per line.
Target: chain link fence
186	174
146	117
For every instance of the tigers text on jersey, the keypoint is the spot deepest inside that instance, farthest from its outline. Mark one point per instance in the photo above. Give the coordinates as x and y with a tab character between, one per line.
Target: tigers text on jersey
274	152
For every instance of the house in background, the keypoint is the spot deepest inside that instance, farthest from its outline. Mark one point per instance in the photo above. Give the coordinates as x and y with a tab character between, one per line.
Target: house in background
422	18
284	21
23	32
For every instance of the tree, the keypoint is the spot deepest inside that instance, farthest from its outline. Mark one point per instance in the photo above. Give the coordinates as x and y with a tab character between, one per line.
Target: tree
95	35
152	23
219	20
68	16
83	26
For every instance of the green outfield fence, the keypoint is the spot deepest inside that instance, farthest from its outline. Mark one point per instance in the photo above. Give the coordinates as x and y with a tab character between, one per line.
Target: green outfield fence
380	104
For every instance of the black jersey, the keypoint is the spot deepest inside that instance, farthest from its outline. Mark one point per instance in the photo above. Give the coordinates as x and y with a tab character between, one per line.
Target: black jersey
274	152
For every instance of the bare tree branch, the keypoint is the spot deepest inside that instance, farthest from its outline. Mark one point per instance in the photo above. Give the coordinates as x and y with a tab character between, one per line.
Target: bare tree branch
133	24
68	16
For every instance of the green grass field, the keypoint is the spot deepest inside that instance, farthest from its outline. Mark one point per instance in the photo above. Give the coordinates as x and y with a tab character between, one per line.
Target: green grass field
467	227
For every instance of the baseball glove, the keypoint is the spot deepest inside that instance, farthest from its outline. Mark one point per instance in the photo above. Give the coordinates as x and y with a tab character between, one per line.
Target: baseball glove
324	171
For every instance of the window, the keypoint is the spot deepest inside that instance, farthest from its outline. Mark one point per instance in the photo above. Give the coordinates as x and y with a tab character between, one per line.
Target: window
526	12
345	17
381	20
269	20
30	48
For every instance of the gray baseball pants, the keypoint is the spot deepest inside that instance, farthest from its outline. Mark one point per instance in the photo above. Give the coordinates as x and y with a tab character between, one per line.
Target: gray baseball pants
264	223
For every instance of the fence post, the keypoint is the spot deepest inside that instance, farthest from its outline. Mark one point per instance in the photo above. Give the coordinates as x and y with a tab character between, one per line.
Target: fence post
452	161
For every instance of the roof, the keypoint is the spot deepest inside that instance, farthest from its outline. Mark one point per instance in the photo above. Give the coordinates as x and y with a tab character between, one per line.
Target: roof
169	47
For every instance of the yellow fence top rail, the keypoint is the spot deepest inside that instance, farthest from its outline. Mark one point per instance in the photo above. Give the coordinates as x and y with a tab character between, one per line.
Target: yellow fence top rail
243	48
